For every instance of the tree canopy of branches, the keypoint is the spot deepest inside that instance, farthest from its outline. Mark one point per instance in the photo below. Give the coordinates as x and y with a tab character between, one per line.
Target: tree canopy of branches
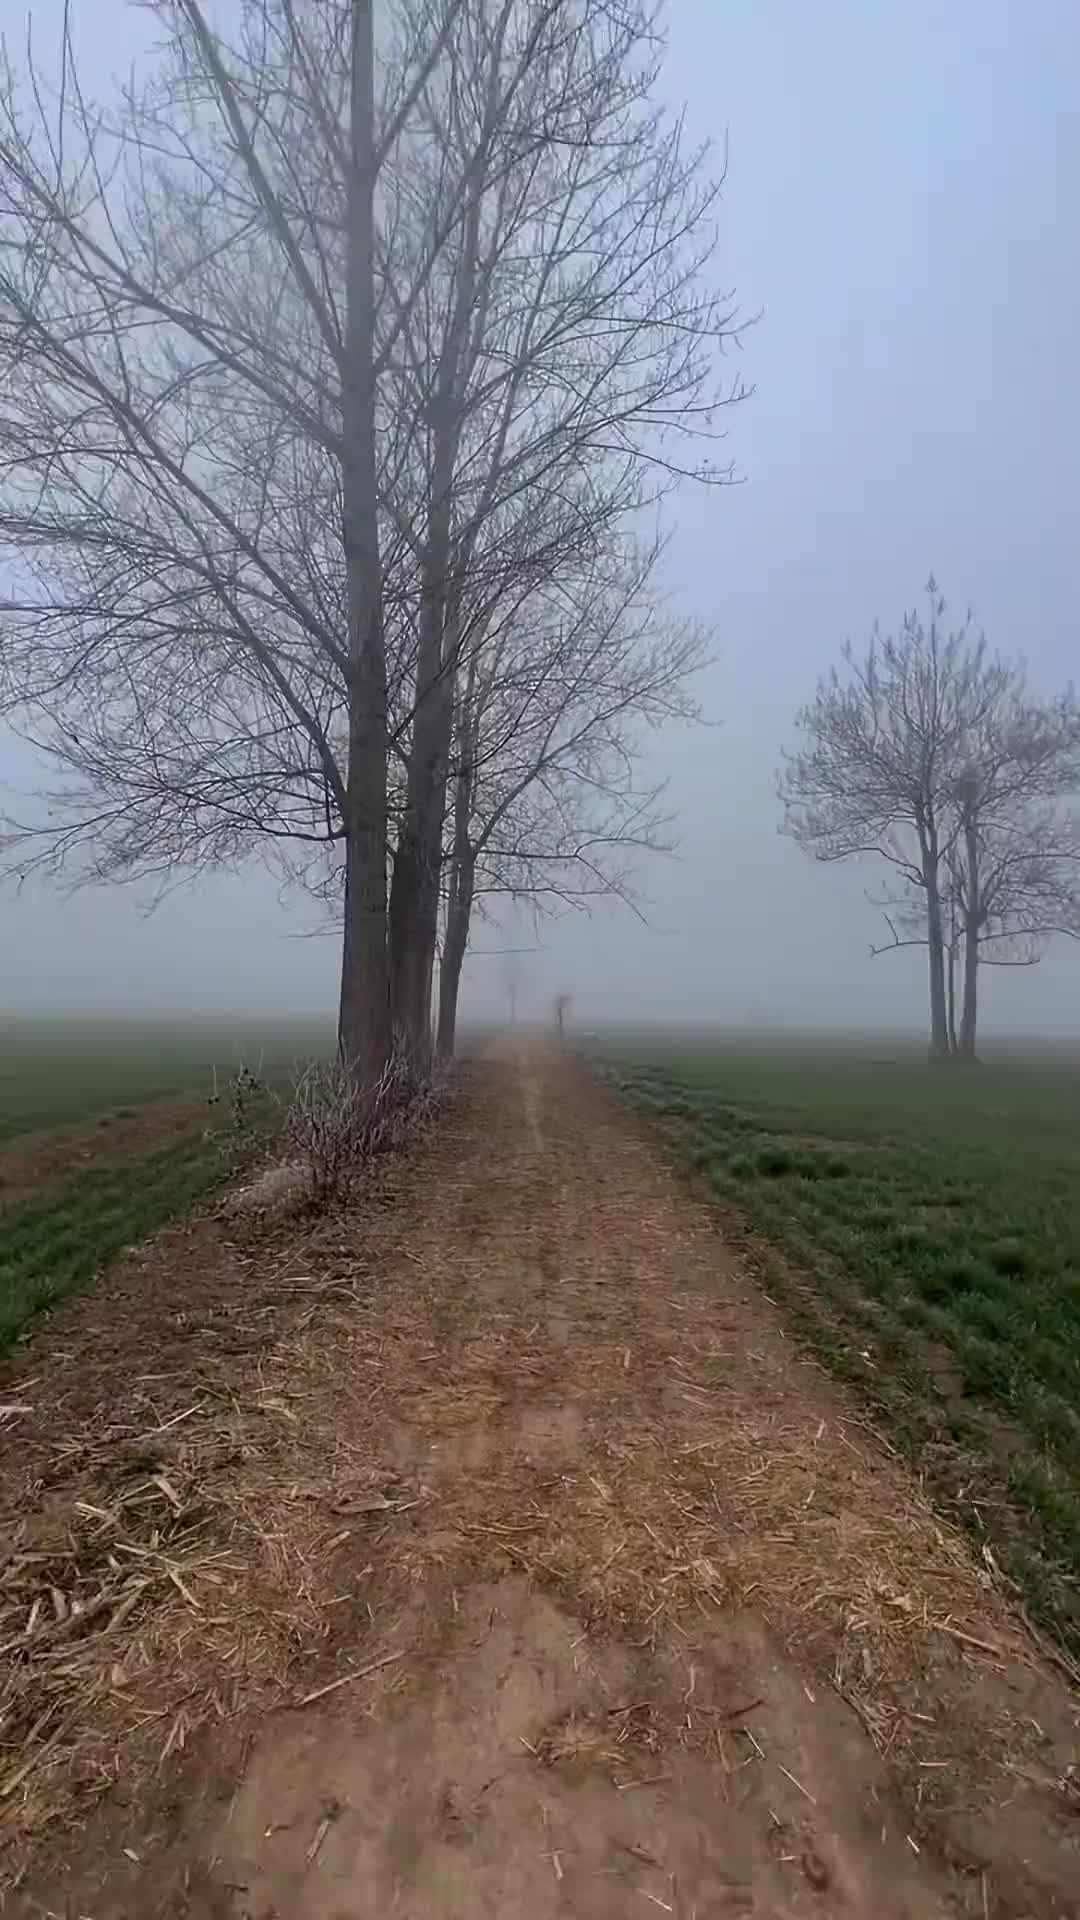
332	357
932	755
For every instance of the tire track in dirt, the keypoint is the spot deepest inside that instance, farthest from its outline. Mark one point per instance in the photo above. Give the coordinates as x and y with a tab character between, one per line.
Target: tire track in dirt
662	1622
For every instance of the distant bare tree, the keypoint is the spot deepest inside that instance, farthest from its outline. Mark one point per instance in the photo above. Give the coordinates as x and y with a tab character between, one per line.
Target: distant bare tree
511	974
931	755
561	1008
1012	870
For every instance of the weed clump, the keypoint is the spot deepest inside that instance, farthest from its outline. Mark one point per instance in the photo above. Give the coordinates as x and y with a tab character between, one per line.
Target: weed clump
774	1162
1014	1257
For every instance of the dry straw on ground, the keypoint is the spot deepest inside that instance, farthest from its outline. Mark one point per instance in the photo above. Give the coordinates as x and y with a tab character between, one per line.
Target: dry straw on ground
341	1434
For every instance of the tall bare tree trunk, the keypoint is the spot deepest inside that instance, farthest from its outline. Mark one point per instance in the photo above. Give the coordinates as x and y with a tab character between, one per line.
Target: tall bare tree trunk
969	1014
414	889
455	944
935	940
969	1011
364	1020
462	876
939	1026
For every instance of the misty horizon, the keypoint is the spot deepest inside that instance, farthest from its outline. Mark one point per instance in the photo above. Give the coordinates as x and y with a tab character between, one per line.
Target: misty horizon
912	412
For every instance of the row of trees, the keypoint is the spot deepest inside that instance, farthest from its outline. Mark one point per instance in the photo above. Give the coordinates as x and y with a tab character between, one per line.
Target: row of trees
933	756
344	360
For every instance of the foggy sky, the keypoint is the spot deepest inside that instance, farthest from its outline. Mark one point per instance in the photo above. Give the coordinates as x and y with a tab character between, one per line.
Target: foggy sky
899	202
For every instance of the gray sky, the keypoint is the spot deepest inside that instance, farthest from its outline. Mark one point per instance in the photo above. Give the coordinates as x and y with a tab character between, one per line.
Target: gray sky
899	202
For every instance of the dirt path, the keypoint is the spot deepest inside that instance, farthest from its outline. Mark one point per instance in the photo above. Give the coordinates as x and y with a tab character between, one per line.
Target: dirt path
606	1598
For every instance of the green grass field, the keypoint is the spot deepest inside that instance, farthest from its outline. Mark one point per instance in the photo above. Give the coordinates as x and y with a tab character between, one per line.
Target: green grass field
53	1072
921	1229
56	1073
53	1244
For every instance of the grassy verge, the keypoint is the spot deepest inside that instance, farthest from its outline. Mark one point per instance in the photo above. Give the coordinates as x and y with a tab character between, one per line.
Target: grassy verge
54	1072
922	1232
57	1241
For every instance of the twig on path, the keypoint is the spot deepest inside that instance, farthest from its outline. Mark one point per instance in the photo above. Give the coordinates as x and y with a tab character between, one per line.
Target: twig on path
611	1559
969	1639
321	1831
554	1854
739	1713
165	1425
805	1791
355	1673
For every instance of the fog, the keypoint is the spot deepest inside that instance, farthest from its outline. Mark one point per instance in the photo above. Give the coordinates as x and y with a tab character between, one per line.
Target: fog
898	206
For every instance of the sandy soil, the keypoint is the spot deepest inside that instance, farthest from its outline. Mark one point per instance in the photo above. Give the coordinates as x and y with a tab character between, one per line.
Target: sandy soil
504	1559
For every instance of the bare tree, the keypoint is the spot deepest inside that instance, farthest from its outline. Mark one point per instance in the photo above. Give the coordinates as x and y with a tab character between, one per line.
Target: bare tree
930	755
321	354
563	349
552	804
1012	870
187	309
